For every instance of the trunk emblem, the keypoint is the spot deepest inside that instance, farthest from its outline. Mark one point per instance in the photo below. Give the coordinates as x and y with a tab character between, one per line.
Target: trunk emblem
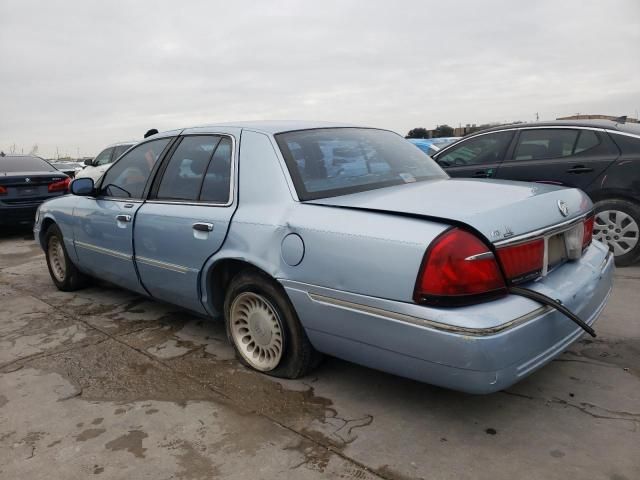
27	180
564	209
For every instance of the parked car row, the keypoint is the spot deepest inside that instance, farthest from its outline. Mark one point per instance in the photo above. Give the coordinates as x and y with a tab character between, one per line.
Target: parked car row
311	238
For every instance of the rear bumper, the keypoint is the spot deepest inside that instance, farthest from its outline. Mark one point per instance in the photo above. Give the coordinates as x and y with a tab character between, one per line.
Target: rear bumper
18	215
479	349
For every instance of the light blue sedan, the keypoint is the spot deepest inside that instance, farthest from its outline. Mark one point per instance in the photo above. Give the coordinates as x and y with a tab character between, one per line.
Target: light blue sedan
312	238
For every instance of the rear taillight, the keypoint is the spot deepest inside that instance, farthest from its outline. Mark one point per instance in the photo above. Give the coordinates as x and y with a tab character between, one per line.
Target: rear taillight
458	269
587	237
3	190
60	186
522	261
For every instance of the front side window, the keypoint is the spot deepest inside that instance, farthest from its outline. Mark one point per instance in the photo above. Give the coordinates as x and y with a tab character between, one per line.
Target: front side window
483	149
119	150
129	175
545	143
327	162
103	158
186	169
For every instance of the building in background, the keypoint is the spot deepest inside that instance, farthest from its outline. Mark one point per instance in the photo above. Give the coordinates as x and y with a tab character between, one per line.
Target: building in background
597	117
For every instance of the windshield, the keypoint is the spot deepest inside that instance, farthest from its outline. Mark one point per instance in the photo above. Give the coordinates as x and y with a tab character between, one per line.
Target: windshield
24	164
337	161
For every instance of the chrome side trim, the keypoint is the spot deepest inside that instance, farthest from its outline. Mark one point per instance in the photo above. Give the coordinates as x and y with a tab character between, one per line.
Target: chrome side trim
167	266
551	230
422	322
618	132
105	251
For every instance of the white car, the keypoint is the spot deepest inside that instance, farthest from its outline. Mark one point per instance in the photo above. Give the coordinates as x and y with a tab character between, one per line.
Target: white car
97	166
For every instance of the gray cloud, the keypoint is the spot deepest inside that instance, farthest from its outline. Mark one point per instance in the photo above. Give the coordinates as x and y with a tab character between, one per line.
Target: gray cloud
81	74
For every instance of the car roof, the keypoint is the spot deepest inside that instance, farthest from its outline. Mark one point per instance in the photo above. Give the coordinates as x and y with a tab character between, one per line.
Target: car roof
633	128
117	144
273	127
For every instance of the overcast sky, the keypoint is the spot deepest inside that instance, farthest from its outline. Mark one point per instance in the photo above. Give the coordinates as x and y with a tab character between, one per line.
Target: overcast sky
77	75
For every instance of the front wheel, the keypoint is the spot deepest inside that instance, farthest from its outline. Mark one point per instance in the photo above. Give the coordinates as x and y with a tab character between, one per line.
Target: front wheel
264	329
616	224
64	274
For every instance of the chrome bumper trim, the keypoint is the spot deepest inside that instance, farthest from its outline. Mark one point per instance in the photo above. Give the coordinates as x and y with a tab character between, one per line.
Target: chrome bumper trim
422	322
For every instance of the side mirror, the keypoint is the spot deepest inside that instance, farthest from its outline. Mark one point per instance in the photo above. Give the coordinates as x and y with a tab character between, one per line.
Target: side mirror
88	162
82	186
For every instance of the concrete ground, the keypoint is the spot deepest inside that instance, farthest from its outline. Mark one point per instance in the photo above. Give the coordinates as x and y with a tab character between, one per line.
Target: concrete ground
103	382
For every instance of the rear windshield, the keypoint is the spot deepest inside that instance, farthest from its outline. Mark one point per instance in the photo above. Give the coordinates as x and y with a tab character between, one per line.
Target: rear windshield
24	164
337	161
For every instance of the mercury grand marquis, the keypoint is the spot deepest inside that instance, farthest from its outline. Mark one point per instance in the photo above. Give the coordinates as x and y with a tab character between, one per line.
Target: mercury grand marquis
311	238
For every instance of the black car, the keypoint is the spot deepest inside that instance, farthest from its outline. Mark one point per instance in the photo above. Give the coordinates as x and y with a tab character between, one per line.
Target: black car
25	182
600	157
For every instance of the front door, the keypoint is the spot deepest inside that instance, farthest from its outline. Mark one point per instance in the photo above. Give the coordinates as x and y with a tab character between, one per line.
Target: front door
186	218
477	157
103	230
563	156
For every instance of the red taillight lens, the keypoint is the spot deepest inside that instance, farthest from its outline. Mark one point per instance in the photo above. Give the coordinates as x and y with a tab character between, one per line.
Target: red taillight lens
458	269
523	261
3	190
588	232
60	186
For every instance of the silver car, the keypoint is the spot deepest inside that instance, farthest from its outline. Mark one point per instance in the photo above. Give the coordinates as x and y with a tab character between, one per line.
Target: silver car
375	256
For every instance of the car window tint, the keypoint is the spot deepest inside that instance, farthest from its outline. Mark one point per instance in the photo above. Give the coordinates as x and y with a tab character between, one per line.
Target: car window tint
128	176
588	139
545	143
25	163
336	161
103	157
217	181
183	177
119	150
483	149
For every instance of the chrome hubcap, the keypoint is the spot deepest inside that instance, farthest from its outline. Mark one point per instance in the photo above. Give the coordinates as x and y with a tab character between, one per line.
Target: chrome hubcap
256	331
617	230
56	258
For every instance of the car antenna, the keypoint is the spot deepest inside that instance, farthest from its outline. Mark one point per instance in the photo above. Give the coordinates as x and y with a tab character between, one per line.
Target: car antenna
153	131
622	119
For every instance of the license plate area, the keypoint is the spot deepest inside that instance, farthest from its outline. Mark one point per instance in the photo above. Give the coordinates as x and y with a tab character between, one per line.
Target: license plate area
562	246
26	191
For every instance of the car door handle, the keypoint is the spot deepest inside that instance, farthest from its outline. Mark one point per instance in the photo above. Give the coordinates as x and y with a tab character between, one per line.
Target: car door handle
123	218
579	169
203	227
480	174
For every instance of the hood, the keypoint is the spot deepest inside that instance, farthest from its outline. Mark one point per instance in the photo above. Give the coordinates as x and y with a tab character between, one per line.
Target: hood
498	209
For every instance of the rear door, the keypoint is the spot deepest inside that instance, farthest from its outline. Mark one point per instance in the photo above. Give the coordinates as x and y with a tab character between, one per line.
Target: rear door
476	157
563	156
103	230
186	218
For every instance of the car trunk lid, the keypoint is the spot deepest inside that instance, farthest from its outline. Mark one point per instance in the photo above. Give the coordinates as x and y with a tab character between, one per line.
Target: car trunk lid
498	209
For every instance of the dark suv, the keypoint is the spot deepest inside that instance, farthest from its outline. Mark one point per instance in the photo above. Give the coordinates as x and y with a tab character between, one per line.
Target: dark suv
600	157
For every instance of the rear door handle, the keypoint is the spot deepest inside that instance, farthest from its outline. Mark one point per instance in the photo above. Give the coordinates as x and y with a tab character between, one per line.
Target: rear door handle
579	169
203	227
123	218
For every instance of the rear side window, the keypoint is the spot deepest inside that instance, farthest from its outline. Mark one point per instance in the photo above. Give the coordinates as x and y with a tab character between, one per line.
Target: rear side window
128	176
545	143
483	149
217	181
103	158
24	164
586	141
186	169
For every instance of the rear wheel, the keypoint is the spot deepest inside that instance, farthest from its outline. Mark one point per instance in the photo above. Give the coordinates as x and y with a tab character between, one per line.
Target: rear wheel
264	329
617	225
64	274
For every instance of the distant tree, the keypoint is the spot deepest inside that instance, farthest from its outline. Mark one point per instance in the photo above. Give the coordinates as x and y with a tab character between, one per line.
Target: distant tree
444	131
419	132
34	149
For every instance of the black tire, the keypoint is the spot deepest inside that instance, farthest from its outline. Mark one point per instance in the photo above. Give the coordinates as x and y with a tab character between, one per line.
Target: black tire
298	356
70	278
632	210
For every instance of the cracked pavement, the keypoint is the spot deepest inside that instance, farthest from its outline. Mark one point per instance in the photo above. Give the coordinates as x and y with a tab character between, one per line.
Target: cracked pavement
104	382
